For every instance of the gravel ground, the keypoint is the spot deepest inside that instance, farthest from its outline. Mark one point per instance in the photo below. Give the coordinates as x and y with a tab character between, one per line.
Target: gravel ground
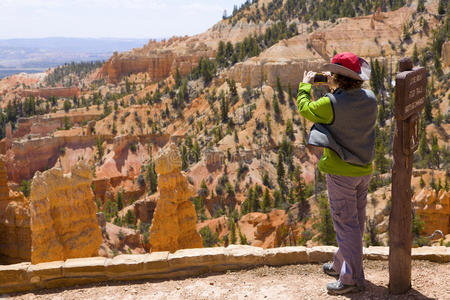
429	281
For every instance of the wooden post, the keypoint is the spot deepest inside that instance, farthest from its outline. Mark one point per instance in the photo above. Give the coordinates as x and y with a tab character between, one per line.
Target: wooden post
410	91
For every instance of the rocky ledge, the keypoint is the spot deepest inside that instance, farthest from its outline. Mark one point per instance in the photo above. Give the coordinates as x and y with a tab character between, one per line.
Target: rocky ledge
183	263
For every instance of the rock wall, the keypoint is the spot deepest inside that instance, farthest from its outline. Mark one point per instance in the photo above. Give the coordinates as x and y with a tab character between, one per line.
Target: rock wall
264	230
183	263
15	234
63	215
214	158
446	54
255	72
44	125
434	209
121	143
39	154
369	36
145	209
156	59
53	92
174	220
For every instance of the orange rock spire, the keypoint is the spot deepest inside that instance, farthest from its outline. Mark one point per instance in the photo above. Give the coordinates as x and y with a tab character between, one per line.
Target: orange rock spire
15	238
63	215
173	225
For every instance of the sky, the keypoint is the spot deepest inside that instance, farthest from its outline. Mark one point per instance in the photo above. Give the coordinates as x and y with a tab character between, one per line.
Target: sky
109	18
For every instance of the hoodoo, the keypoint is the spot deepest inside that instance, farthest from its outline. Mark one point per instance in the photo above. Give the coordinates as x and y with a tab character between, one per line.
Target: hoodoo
63	215
173	225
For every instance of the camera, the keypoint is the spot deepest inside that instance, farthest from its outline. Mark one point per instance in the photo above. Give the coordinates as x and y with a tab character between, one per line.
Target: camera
320	78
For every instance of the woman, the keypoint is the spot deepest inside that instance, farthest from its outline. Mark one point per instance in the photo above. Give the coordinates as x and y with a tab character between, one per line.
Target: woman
345	128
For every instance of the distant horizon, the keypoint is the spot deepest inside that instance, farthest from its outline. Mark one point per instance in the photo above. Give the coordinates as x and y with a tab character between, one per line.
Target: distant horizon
109	19
83	38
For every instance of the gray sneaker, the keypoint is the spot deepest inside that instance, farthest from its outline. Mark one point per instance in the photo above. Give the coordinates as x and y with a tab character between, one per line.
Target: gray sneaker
338	288
328	269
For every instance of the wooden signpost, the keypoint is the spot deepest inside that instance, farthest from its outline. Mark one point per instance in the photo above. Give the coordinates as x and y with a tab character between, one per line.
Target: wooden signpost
410	95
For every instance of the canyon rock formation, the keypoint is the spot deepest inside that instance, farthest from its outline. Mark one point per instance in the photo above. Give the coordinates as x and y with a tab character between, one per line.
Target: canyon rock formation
27	156
433	208
446	53
174	220
368	36
15	235
145	209
53	92
63	215
264	230
157	59
45	125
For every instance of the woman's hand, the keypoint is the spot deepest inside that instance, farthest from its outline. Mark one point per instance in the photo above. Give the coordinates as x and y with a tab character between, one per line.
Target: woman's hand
308	77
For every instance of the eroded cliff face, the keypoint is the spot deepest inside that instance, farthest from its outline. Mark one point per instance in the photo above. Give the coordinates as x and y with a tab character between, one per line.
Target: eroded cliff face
45	125
433	208
15	235
157	59
174	221
53	92
161	59
63	215
446	54
28	156
375	36
264	230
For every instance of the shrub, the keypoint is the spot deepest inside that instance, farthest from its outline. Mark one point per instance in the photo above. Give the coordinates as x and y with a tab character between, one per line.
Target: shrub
209	238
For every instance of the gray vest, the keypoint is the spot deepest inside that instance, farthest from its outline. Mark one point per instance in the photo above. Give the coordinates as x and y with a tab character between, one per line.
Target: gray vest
352	132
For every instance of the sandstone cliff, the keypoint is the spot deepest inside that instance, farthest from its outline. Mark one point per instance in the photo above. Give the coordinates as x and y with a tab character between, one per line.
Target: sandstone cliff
375	36
174	220
15	236
44	125
158	60
161	59
446	54
434	209
63	215
53	92
27	156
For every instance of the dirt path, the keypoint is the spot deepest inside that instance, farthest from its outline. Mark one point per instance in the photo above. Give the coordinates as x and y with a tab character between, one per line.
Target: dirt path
430	280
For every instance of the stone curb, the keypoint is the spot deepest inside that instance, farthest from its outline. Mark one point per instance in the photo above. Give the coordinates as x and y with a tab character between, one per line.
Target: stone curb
183	263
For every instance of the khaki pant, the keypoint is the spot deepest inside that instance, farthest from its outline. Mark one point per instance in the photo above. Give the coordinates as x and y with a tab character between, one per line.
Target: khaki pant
348	197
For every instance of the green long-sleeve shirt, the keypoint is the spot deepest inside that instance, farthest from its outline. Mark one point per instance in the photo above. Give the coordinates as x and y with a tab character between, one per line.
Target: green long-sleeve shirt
321	111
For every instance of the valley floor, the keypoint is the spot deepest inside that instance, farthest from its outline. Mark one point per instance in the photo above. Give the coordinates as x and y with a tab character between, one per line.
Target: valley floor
429	280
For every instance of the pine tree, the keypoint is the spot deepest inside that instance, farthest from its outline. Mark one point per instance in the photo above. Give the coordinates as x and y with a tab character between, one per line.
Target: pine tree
290	129
441	7
224	109
327	235
276	107
423	145
428	109
278	199
299	186
280	91
152	178
289	93
220	56
266	201
130	218
178	78
232	232
100	150
119	200
421	6
415	56
435	151
280	171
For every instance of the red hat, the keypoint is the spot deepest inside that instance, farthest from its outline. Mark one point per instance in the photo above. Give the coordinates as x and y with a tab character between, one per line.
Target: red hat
349	65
